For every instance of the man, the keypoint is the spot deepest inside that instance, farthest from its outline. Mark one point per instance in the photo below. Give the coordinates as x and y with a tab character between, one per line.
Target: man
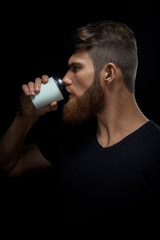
108	153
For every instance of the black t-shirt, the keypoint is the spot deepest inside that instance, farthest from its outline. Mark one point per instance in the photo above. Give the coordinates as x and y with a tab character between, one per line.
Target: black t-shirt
94	180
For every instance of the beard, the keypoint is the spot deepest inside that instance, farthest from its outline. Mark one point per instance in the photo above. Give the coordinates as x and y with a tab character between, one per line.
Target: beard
79	109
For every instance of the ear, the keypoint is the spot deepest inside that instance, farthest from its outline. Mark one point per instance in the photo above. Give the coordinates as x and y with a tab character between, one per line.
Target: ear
109	72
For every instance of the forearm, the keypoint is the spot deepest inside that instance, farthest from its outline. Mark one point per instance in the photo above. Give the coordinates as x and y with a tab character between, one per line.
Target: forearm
12	143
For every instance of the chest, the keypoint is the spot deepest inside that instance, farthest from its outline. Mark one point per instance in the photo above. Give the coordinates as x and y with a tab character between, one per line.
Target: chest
117	176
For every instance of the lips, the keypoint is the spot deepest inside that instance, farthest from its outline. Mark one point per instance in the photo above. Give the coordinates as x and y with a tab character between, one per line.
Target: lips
71	93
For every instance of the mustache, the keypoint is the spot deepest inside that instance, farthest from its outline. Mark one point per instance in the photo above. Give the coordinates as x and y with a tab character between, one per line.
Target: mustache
69	90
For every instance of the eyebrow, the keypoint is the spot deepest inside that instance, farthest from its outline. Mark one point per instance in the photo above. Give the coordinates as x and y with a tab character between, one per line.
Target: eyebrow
74	63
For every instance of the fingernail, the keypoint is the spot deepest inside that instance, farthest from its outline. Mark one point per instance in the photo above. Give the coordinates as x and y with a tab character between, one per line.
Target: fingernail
32	93
45	79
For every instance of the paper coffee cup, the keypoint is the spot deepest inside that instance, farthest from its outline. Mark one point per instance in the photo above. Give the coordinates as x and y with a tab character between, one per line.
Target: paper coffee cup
52	91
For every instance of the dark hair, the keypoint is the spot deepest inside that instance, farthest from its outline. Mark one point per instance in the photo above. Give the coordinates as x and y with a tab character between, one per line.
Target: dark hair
109	41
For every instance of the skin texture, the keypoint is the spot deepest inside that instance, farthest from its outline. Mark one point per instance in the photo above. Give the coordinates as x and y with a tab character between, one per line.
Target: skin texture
87	96
80	75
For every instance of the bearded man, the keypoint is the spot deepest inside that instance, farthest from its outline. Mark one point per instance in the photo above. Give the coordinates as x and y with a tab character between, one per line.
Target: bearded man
108	154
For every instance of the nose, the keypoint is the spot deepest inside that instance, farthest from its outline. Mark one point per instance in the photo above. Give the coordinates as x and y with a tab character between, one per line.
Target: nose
66	80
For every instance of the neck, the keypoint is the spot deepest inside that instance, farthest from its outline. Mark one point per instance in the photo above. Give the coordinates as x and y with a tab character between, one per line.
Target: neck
119	118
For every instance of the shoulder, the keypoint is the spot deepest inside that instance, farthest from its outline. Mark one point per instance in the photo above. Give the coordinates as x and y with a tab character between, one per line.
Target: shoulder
150	140
149	134
153	129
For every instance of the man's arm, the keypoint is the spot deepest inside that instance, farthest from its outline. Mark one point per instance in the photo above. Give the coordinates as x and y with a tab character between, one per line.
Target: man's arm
31	161
14	157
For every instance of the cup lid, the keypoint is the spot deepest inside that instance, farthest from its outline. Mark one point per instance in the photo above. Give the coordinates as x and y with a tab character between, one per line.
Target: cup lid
61	86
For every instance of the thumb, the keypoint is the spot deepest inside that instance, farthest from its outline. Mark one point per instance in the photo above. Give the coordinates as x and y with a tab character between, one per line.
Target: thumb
51	107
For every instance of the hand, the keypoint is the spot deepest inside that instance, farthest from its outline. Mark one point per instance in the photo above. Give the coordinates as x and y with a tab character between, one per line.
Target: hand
26	106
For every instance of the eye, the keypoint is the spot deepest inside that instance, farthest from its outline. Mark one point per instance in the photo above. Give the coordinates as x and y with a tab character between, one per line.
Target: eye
75	68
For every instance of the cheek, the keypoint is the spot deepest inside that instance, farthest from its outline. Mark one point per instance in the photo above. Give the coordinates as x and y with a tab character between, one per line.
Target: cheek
84	82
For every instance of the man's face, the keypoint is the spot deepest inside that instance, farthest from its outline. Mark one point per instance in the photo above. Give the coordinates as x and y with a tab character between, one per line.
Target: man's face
86	94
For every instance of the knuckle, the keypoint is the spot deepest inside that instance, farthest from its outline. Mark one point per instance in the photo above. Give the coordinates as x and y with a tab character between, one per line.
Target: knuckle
38	80
24	86
45	78
31	84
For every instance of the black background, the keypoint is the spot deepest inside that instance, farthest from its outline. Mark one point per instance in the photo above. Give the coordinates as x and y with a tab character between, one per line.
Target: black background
32	44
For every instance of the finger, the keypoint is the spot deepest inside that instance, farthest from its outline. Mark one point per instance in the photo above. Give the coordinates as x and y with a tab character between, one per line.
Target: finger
53	106
25	89
37	85
45	79
31	88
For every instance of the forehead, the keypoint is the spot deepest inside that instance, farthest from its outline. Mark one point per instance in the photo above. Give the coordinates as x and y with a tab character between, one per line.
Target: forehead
80	56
